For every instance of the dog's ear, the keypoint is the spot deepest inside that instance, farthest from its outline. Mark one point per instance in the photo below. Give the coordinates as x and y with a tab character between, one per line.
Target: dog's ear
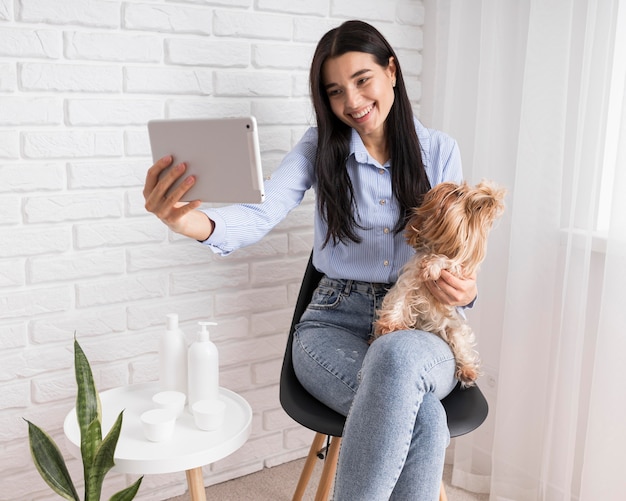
486	202
427	220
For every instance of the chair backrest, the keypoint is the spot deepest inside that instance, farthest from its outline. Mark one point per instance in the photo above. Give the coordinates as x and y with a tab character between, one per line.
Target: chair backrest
297	402
466	409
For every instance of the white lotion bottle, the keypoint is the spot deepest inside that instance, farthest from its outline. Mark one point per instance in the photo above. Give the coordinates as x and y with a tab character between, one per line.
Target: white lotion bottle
173	357
203	365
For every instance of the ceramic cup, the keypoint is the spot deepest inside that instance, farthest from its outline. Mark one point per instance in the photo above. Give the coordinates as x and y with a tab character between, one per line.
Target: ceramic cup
173	400
158	424
209	414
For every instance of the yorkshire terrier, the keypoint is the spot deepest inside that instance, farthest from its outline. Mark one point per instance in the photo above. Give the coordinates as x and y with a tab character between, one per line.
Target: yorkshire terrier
448	232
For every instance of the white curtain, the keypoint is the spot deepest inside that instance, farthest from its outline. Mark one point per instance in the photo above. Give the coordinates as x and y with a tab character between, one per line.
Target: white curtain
533	90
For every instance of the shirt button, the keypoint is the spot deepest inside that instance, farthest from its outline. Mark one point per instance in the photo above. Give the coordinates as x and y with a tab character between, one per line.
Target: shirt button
382	202
386	230
386	263
381	171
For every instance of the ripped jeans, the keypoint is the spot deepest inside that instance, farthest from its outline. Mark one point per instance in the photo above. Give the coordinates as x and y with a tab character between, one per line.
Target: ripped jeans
395	435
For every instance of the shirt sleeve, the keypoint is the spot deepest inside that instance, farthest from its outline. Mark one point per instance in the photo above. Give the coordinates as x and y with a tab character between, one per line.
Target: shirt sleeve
441	155
452	169
244	224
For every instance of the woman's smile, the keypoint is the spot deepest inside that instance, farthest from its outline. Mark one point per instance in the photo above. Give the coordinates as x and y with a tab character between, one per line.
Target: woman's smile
363	114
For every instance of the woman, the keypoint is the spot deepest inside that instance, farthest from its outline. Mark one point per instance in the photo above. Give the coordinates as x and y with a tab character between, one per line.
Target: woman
369	162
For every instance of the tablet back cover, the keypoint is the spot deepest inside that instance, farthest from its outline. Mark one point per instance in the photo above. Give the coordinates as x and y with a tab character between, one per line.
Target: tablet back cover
222	153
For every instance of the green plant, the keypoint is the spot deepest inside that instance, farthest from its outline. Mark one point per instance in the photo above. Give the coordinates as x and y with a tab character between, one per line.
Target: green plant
97	454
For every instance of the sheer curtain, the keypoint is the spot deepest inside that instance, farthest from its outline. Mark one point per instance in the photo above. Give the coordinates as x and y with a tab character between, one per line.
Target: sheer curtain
533	90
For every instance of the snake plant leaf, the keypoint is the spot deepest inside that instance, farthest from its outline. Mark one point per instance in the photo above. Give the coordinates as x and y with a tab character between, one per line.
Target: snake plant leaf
89	443
102	461
88	407
128	493
50	463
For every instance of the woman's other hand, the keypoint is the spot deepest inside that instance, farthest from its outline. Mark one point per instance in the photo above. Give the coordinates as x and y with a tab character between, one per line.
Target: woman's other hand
180	217
453	290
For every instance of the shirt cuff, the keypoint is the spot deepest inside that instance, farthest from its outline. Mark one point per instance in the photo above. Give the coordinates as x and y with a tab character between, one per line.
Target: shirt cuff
218	236
471	303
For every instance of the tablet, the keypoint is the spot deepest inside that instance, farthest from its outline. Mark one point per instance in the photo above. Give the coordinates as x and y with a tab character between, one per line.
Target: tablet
223	154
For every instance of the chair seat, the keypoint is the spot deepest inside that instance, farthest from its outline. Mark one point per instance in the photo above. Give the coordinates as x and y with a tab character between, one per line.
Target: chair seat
466	410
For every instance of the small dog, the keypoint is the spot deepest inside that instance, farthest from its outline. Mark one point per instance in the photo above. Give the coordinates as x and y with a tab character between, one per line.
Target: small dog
448	232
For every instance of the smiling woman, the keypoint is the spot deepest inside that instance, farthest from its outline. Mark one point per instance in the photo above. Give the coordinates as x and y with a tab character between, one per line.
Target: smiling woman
370	161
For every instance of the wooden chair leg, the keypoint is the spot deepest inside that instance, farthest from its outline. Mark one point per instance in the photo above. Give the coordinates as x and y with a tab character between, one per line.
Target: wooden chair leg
328	473
442	493
309	465
330	468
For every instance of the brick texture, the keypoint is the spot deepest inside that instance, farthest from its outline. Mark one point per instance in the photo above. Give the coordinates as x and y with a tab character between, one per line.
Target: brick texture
79	255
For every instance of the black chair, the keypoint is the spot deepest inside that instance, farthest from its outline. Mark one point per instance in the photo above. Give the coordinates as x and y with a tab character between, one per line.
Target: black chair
466	409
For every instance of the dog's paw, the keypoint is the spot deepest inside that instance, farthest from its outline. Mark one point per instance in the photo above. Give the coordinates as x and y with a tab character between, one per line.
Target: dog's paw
431	266
381	328
467	375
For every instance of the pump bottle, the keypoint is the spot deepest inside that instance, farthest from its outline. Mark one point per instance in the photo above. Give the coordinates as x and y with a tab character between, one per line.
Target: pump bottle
173	357
203	365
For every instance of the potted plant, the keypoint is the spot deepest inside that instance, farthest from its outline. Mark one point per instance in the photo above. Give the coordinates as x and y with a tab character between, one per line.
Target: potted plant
97	453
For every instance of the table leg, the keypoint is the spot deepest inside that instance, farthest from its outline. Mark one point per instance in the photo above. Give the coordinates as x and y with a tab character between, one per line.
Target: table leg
196	484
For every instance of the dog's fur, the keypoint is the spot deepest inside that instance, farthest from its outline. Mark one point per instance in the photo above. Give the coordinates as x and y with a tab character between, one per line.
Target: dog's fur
449	232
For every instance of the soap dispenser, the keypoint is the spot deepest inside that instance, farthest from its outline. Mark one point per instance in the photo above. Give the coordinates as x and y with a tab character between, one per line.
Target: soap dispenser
203	366
173	357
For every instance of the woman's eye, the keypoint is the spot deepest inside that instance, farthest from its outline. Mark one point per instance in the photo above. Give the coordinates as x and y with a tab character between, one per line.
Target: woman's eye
333	92
361	81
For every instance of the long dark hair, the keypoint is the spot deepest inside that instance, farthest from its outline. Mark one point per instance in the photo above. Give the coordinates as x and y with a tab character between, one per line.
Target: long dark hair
335	193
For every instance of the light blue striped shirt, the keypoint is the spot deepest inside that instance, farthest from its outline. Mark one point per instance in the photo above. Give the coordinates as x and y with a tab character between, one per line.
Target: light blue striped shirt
381	253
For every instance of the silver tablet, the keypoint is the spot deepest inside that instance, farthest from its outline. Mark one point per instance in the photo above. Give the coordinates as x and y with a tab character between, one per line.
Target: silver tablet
223	154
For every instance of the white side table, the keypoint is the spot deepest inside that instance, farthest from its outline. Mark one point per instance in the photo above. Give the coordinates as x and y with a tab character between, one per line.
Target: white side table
189	448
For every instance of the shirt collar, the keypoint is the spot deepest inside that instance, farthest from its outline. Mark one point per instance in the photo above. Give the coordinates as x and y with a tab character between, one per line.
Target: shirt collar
359	151
357	148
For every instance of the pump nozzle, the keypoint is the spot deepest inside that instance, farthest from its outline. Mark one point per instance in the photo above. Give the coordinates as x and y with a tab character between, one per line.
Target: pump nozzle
203	334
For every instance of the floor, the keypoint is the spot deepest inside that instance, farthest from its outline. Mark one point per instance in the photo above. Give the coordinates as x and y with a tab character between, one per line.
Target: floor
278	484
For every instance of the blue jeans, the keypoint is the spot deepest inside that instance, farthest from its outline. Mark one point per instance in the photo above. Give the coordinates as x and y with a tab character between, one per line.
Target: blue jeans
395	435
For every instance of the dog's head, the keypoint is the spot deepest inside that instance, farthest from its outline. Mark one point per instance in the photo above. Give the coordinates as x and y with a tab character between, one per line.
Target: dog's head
454	220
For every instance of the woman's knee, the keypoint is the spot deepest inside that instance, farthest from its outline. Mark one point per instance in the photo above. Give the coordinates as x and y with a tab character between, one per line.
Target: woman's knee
403	350
391	354
415	357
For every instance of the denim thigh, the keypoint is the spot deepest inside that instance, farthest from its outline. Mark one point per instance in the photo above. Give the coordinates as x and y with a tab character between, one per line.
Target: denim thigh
332	338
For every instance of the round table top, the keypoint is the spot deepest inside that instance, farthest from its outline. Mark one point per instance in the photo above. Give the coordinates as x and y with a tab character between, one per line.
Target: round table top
188	448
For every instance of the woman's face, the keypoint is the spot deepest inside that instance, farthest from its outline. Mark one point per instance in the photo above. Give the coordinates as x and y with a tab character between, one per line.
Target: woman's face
360	91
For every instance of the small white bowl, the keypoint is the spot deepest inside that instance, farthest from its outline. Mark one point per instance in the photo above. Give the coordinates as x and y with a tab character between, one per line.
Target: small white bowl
209	414
158	424
173	400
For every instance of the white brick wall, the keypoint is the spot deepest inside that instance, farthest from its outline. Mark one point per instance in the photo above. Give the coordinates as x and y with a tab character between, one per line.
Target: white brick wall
78	252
